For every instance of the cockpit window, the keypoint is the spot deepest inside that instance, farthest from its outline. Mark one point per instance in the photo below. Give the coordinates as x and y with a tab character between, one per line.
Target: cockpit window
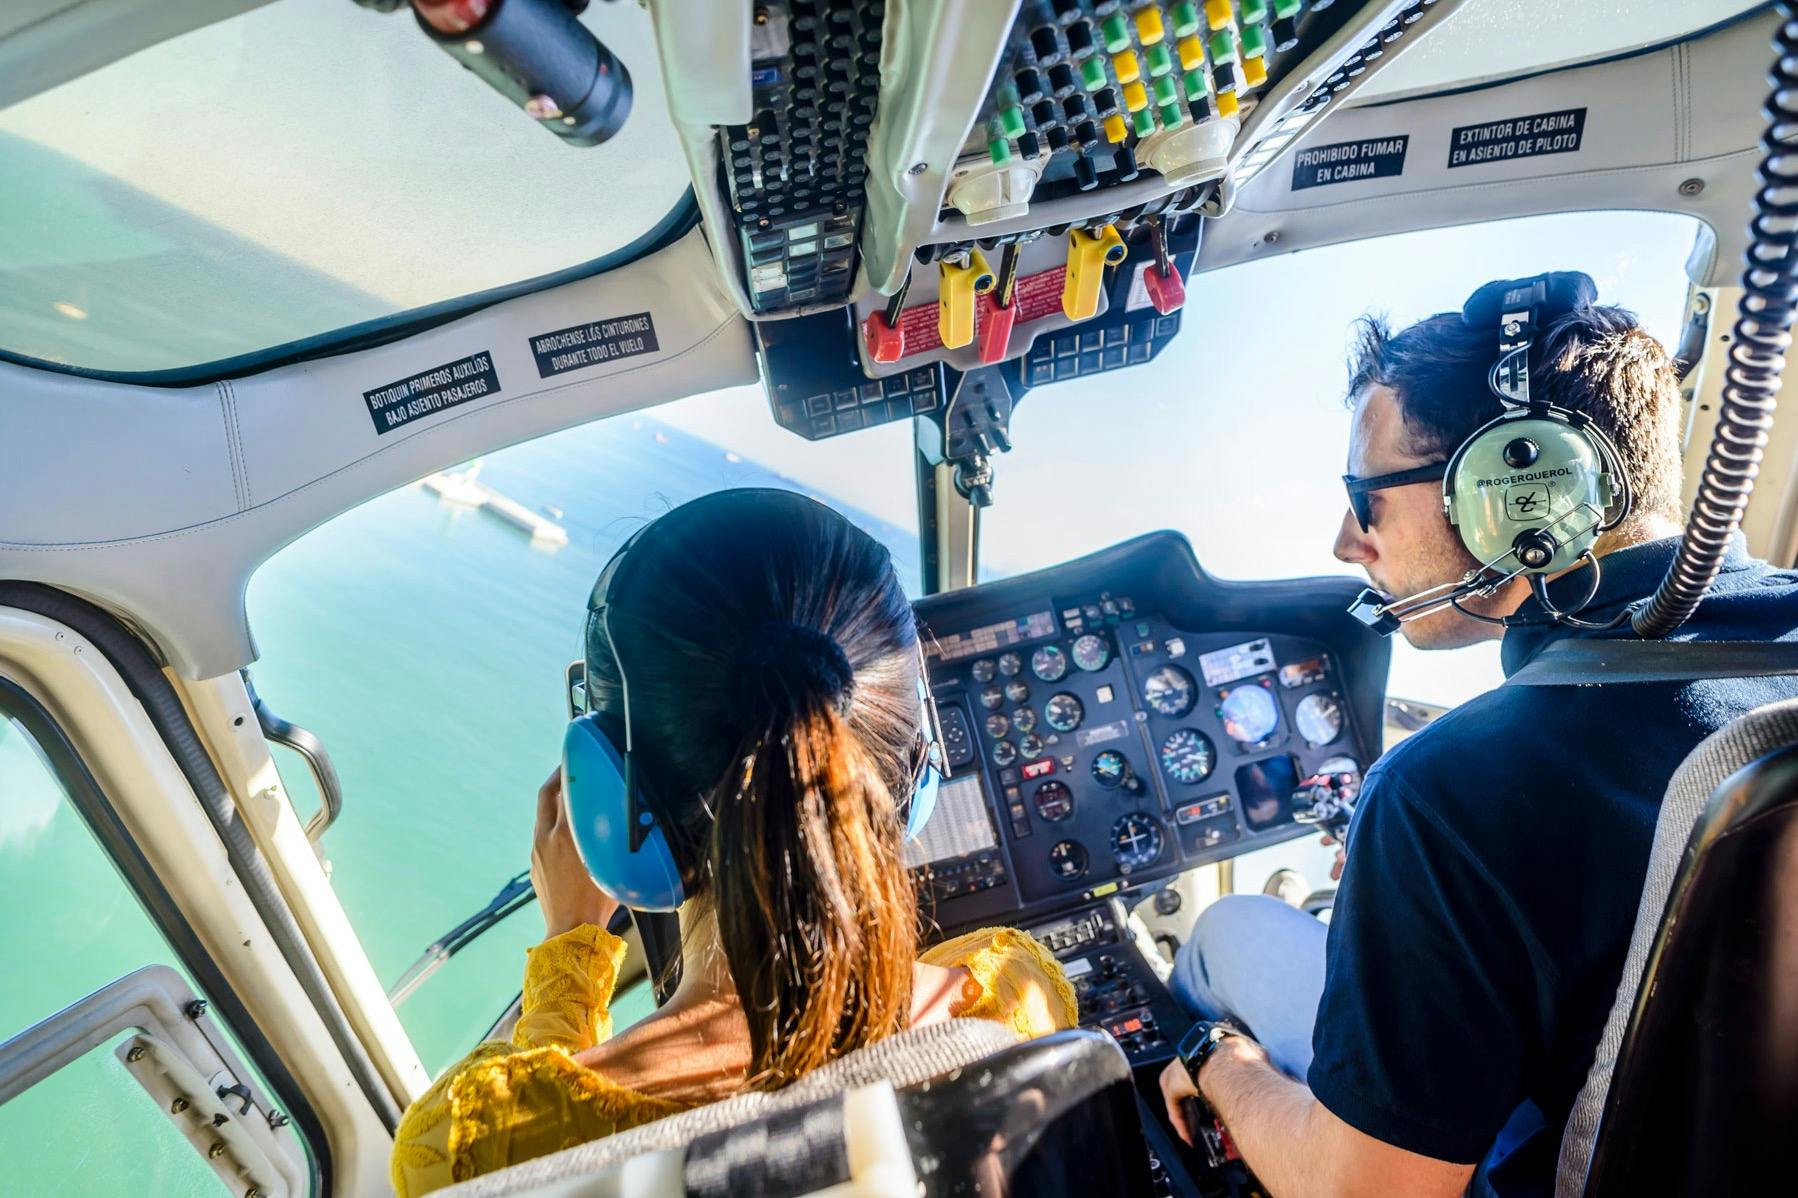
1235	435
424	640
1481	40
294	170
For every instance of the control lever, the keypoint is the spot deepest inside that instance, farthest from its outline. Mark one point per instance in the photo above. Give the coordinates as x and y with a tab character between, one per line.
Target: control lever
960	278
883	331
995	331
1327	800
1167	290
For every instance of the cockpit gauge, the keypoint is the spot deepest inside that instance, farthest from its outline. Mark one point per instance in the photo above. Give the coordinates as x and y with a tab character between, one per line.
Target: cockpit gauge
1049	663
1136	841
1188	756
1250	714
1017	690
1010	665
1092	652
1170	691
1024	719
1318	718
1031	746
1004	753
1340	764
1054	801
997	725
1063	712
1111	768
992	698
1068	860
983	670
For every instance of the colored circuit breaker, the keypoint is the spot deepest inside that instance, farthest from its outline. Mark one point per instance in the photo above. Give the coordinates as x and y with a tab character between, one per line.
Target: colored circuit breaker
1090	251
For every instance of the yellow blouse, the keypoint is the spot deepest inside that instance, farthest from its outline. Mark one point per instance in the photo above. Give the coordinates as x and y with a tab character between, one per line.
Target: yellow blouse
505	1103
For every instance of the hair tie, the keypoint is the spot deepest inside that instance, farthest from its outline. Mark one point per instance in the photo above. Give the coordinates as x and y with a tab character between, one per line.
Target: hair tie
787	664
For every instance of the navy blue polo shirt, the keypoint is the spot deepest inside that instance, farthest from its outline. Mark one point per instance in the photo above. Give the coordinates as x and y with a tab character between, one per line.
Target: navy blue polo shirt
1494	868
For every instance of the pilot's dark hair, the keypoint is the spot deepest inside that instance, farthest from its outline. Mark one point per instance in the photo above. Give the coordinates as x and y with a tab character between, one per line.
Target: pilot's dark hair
1598	360
773	664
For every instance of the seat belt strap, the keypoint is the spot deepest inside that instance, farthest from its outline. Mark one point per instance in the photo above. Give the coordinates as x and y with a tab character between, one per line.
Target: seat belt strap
1589	662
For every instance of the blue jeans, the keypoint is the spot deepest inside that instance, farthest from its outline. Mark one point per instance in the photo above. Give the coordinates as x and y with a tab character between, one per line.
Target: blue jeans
1259	962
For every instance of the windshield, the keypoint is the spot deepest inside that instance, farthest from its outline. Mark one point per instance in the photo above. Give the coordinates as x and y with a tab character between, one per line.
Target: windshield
1236	434
1483	39
425	640
302	167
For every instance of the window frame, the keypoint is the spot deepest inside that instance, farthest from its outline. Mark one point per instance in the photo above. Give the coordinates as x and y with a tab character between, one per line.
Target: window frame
116	842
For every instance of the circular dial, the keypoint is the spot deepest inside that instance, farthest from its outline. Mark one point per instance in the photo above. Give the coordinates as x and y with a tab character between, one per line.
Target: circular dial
1188	756
1340	764
1004	753
1318	718
1111	769
1054	801
1249	714
1136	841
1024	719
1063	712
1049	663
1170	690
1017	691
1091	652
1030	745
1068	860
997	725
992	698
983	670
1010	664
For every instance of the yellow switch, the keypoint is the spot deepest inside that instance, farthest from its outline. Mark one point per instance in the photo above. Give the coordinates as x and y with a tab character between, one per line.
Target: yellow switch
1227	104
958	282
1127	68
1254	71
1218	13
1192	53
1136	96
1148	25
1115	128
1090	251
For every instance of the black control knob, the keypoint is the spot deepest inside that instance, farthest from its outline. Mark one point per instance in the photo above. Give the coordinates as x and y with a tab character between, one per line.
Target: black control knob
1086	175
1521	452
1058	138
1061	79
1284	33
1045	40
1043	113
1067	10
1106	101
1029	84
1125	160
1028	145
1074	108
1080	39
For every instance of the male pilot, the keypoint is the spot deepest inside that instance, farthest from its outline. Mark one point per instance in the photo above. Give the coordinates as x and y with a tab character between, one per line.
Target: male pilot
1496	857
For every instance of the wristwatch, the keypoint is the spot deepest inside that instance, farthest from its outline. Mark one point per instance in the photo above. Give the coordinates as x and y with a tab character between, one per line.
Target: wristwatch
1199	1042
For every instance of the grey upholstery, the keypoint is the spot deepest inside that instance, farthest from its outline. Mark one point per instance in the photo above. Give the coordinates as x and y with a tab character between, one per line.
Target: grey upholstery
1717	757
905	1059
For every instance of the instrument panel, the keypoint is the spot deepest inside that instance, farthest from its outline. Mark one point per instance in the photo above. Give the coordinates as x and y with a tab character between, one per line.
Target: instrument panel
1127	717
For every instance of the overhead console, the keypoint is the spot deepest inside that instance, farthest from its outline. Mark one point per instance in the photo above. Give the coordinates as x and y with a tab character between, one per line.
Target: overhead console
903	194
1125	717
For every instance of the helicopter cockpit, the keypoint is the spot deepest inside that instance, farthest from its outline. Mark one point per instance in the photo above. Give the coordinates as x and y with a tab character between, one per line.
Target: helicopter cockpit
327	384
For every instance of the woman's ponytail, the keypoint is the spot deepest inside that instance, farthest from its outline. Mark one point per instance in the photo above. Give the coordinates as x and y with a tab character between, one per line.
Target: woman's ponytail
816	913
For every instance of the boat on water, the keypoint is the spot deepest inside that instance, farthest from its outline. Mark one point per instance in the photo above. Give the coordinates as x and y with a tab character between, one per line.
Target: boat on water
1049	295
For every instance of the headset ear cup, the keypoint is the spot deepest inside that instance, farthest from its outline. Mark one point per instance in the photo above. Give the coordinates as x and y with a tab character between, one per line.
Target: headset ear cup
597	803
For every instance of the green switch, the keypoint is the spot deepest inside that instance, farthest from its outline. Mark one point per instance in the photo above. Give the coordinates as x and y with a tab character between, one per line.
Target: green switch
1185	18
1116	32
1158	60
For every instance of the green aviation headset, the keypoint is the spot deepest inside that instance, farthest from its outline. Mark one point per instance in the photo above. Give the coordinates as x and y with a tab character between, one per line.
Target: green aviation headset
1529	492
614	811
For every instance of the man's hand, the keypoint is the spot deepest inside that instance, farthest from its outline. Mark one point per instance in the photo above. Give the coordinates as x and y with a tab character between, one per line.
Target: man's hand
1341	857
565	891
1296	1147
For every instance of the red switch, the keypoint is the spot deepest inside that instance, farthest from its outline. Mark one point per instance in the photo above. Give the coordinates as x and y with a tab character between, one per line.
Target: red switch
1166	291
886	342
995	332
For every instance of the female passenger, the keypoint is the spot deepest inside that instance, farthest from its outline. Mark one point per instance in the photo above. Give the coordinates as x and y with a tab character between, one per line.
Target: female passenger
767	661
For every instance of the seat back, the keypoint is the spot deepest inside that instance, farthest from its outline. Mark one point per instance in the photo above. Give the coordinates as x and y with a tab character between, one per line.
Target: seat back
974	1112
1694	1087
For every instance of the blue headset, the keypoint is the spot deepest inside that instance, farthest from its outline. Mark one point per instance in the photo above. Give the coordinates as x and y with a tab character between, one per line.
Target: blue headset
613	810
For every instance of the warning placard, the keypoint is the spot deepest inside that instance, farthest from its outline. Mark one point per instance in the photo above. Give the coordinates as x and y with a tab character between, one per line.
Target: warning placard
433	390
1519	137
1350	161
592	343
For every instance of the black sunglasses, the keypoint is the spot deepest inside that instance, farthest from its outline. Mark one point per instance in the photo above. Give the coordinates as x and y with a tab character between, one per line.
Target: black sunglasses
1360	488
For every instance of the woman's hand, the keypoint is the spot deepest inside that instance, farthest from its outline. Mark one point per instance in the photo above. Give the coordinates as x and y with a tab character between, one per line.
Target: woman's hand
1341	858
565	891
